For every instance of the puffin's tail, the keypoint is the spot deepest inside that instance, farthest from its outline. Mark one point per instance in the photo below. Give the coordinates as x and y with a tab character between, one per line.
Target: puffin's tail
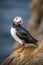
35	42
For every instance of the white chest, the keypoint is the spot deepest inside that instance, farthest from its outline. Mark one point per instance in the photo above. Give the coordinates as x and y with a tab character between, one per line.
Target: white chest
13	33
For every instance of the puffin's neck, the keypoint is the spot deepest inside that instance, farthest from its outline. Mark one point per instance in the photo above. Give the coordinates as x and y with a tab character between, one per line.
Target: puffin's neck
15	26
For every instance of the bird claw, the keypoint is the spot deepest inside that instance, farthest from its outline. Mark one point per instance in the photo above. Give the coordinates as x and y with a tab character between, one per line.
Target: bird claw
20	49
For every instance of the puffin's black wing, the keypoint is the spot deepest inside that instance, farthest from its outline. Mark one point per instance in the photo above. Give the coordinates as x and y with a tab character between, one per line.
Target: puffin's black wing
21	35
25	35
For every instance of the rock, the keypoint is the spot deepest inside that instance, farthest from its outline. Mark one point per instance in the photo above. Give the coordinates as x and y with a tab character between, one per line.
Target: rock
29	56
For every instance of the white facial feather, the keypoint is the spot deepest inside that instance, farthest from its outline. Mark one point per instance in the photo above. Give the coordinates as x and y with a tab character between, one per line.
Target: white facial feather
16	20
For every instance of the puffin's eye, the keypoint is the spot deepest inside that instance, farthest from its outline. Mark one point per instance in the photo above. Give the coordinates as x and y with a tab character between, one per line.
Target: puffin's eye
16	18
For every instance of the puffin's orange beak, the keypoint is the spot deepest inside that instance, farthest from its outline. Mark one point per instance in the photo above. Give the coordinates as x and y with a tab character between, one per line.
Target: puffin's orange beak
21	21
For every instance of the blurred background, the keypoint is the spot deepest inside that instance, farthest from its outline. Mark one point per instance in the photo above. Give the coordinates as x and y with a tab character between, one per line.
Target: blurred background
8	10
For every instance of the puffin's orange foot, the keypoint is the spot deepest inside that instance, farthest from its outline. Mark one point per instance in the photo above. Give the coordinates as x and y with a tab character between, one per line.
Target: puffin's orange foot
20	49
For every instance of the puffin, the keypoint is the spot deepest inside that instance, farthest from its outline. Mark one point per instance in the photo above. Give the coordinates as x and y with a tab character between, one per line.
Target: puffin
20	34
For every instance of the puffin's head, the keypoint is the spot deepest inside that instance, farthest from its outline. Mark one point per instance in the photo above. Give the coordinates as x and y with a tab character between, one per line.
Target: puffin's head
17	20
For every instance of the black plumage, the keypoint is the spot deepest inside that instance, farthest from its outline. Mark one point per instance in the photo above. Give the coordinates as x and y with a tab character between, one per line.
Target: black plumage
23	34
